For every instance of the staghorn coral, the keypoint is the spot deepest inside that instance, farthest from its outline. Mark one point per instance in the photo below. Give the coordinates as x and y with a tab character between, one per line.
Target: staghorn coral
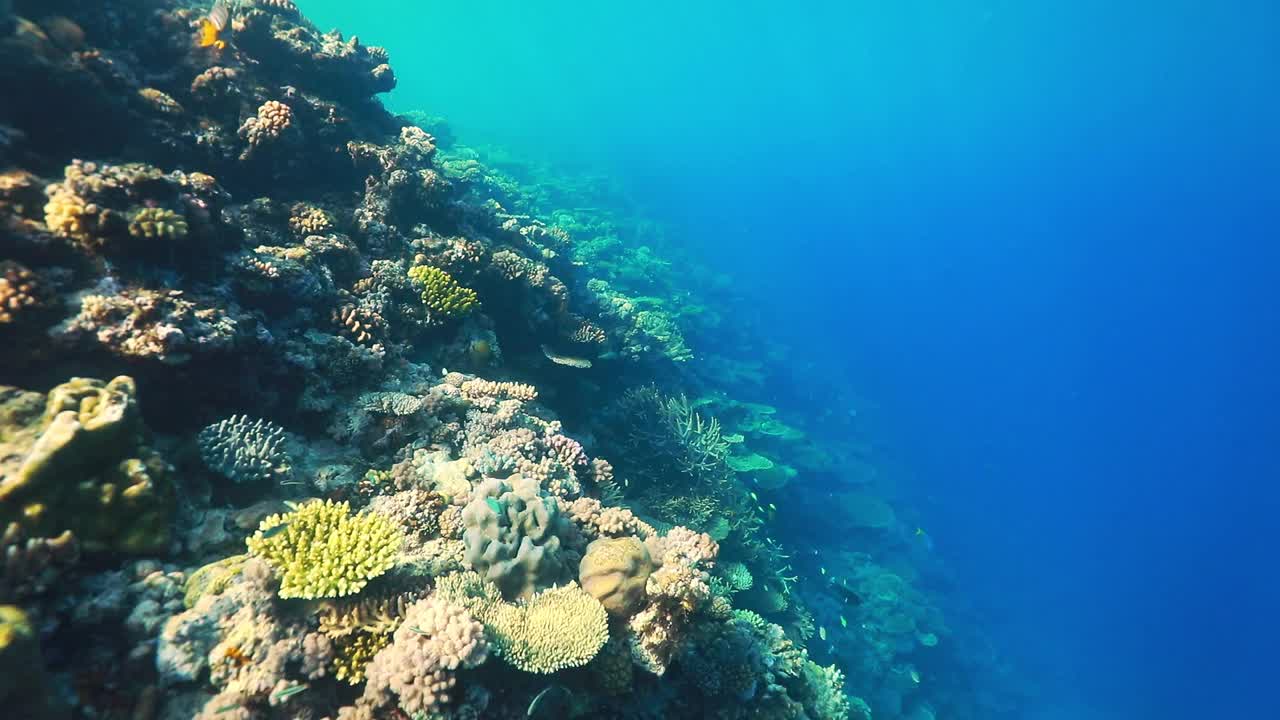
379	615
417	671
441	294
514	537
320	550
244	450
614	571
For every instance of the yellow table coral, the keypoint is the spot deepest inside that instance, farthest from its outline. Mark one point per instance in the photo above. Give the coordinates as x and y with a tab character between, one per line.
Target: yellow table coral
321	550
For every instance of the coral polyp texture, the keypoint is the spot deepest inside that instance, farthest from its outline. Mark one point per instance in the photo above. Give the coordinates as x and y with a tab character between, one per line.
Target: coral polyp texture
244	450
441	294
321	550
565	500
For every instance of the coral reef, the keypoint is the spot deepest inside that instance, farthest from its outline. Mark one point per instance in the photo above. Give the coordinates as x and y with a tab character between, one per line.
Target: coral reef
321	550
501	441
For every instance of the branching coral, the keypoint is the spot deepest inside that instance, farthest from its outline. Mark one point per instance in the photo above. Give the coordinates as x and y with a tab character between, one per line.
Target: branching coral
157	223
320	550
441	294
20	291
244	450
272	120
418	670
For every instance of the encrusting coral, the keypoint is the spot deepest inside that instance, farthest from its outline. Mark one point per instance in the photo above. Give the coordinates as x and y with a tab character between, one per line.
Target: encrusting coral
79	463
321	550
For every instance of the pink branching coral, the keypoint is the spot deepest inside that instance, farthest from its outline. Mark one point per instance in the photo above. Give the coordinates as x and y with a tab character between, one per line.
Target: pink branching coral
418	671
675	591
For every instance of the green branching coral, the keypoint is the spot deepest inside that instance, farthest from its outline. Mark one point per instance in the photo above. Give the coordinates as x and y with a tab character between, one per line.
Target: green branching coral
442	295
321	550
153	223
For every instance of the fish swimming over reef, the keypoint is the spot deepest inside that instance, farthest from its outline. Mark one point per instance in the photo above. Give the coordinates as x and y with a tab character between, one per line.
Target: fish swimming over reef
212	25
849	596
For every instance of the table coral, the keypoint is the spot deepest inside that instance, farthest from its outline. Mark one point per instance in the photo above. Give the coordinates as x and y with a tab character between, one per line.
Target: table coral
557	628
321	550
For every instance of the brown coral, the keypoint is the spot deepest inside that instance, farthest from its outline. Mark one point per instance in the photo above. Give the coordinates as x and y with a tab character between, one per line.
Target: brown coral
20	290
475	389
157	223
269	124
310	220
615	571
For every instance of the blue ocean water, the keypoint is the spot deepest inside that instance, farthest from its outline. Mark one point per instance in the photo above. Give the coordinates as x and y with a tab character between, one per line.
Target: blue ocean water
1038	239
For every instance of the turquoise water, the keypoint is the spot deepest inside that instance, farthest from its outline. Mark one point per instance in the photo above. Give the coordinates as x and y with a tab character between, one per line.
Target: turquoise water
1039	235
907	360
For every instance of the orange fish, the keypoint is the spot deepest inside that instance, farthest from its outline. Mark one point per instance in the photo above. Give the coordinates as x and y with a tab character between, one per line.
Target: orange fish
212	25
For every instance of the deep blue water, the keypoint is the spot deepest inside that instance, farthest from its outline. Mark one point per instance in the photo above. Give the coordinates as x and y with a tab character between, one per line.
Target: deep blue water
1041	236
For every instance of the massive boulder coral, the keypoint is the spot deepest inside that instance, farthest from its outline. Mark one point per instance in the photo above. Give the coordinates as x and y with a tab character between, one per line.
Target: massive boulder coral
615	571
516	537
81	464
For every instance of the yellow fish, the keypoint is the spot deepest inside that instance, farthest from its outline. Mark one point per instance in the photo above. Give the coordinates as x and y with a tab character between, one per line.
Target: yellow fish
212	25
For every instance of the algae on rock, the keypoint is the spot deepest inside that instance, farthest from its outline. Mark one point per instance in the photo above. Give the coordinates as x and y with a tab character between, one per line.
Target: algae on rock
82	465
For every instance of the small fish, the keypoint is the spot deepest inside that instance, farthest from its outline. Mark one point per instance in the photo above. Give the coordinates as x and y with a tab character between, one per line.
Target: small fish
773	507
291	504
824	570
288	692
919	532
553	701
915	676
418	630
843	623
822	633
212	25
753	497
494	505
274	530
293	482
850	596
226	708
